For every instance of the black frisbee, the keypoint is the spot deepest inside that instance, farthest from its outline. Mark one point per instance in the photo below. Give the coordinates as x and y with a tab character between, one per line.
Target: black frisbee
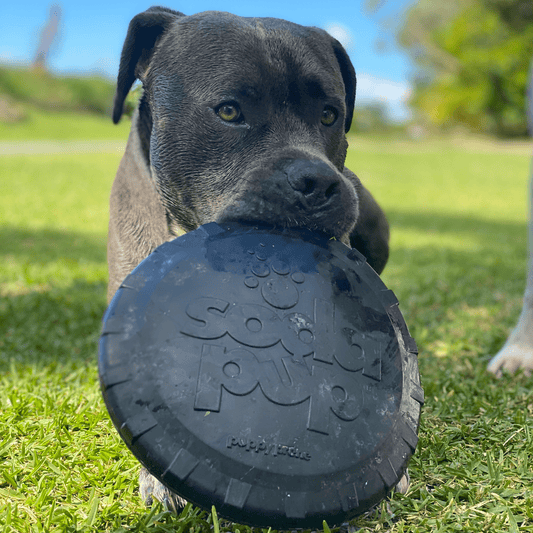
269	373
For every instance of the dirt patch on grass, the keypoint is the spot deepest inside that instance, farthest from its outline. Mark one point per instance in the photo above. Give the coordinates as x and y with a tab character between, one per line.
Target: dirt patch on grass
473	144
60	147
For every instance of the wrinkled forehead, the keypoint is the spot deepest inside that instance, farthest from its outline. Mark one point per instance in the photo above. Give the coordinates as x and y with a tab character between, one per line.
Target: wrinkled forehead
213	49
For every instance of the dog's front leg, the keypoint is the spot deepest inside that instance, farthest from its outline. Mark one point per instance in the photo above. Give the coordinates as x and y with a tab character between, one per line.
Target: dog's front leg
371	233
517	352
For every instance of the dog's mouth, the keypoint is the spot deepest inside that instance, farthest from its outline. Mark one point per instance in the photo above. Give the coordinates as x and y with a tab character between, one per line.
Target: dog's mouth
289	223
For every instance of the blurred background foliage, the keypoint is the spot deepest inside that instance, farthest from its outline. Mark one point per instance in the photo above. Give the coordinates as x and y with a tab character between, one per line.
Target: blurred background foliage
39	88
23	88
471	65
472	59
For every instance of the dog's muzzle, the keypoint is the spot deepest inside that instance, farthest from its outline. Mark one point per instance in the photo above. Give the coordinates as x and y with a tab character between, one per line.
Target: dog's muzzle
295	192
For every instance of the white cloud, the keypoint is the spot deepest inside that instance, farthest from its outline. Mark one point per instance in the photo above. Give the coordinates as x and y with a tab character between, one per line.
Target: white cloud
8	57
373	88
393	94
105	66
341	33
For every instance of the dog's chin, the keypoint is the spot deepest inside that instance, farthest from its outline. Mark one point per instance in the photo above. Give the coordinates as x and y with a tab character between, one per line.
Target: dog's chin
338	233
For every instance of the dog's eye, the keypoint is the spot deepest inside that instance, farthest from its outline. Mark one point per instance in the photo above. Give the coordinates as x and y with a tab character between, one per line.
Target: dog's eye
329	116
229	112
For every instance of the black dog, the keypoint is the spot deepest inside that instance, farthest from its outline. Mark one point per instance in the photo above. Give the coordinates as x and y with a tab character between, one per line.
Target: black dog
241	119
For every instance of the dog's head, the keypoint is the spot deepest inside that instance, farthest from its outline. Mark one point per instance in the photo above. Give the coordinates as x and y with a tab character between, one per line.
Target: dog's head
243	119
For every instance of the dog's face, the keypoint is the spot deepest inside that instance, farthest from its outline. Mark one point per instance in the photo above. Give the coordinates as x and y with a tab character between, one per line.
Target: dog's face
247	120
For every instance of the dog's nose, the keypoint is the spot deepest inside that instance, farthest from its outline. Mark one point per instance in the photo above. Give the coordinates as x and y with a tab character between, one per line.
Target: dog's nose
314	181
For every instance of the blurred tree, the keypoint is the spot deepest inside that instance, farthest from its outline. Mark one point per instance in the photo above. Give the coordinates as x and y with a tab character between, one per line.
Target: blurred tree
48	35
472	59
371	117
516	13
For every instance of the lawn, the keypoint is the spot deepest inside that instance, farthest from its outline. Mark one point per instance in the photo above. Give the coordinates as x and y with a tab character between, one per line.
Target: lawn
63	126
458	216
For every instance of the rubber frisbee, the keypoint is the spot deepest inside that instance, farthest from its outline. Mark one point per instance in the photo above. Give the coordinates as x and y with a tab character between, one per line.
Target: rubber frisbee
267	372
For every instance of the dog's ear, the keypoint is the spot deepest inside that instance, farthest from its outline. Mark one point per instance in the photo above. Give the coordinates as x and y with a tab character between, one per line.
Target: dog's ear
350	82
143	33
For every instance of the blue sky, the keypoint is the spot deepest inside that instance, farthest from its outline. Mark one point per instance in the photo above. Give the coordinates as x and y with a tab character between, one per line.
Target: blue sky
92	34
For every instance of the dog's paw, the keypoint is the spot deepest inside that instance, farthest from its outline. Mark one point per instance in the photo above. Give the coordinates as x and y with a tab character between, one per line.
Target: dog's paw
512	357
403	485
517	352
151	488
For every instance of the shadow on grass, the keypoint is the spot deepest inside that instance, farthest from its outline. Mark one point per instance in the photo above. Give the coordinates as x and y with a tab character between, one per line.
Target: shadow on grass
62	325
45	244
42	245
484	229
59	327
465	249
57	323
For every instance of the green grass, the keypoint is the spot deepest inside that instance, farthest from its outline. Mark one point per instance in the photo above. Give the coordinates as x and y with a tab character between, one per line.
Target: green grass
63	126
458	260
46	106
